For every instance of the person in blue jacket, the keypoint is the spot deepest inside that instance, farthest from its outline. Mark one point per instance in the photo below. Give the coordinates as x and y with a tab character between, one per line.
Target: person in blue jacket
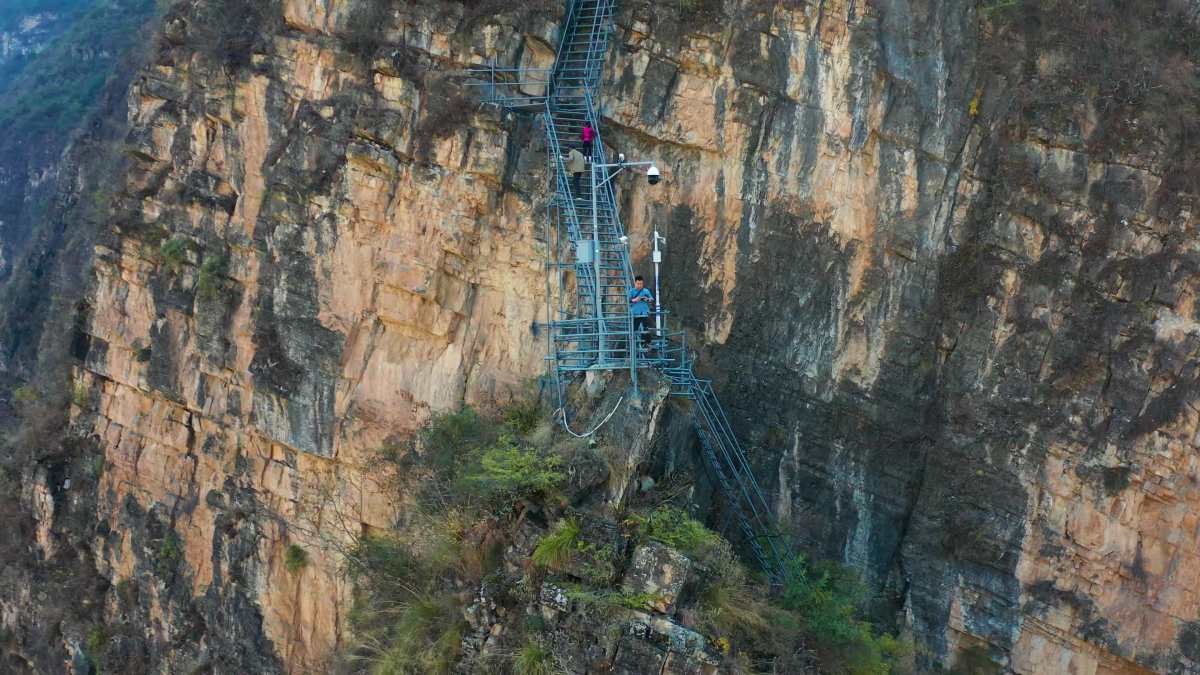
640	299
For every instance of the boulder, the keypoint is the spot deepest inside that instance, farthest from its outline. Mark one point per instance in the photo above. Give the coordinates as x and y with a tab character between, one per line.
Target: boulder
660	571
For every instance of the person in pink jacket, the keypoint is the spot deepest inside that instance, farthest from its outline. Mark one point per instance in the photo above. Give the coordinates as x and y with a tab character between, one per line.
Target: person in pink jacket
587	137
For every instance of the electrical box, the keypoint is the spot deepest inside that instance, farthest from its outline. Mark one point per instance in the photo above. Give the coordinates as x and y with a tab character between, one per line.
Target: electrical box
583	252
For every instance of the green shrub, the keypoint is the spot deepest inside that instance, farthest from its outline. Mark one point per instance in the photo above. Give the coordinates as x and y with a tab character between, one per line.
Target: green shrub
81	396
97	638
522	417
700	12
208	279
173	252
534	659
449	437
445	109
170	553
827	599
992	6
295	558
675	528
535	623
365	28
229	31
506	471
96	466
974	660
555	549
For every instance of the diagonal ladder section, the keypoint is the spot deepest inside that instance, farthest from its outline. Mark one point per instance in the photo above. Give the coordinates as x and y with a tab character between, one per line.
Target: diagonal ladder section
597	333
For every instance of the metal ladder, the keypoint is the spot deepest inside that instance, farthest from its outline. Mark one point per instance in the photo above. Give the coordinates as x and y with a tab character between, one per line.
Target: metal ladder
570	98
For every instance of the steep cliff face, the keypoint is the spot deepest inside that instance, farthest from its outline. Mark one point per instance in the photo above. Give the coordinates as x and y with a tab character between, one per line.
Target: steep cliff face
305	259
942	268
948	279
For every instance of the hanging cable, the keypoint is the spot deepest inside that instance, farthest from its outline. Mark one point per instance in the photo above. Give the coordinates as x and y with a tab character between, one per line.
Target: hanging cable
562	411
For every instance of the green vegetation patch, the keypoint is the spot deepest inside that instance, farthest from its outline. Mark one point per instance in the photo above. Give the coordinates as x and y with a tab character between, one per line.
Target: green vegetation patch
675	528
535	658
173	252
507	470
555	549
295	558
55	89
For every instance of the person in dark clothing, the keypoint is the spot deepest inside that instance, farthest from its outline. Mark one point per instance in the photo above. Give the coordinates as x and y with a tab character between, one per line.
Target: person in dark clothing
586	138
640	299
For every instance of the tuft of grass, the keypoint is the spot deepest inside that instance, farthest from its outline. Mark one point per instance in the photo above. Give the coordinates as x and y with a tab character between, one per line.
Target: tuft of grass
385	565
295	558
605	601
640	601
555	549
534	658
428	637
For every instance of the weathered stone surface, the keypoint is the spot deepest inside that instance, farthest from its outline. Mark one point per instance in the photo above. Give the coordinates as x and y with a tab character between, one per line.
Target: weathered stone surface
599	550
657	570
655	644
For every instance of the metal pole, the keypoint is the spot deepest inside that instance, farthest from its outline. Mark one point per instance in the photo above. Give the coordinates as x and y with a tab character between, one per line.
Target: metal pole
657	296
634	340
596	262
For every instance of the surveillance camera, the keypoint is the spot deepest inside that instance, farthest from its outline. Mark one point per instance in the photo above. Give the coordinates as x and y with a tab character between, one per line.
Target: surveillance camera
624	240
621	157
653	175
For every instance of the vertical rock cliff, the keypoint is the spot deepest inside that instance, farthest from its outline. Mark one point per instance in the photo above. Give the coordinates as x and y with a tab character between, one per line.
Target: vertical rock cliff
940	257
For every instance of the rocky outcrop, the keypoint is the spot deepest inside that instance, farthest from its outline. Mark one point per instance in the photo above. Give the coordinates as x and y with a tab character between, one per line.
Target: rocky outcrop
951	315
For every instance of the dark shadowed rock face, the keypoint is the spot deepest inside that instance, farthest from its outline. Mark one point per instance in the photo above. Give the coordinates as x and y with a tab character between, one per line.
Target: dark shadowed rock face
945	265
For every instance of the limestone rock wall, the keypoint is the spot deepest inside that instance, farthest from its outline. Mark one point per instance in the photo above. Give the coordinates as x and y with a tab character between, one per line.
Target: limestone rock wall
302	268
950	302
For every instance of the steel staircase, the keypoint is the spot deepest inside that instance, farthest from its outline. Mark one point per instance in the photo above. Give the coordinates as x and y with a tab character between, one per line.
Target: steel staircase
596	333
